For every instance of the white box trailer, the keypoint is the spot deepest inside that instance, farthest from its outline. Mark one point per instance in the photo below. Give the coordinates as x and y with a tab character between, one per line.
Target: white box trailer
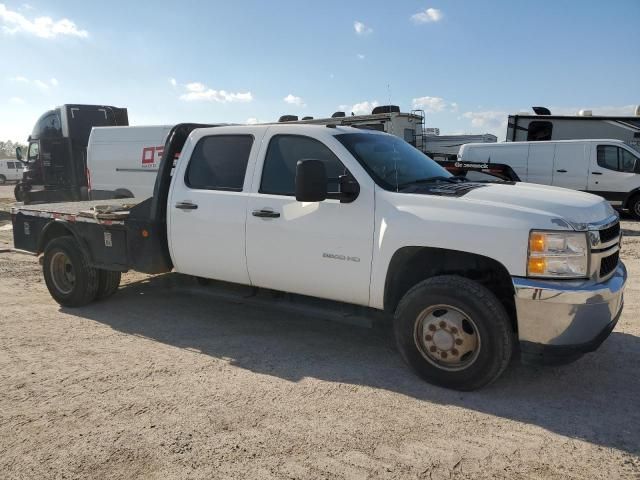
123	162
609	168
446	147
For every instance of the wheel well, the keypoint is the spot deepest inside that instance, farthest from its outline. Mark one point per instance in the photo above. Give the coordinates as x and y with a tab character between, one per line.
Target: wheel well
411	265
51	231
122	193
630	198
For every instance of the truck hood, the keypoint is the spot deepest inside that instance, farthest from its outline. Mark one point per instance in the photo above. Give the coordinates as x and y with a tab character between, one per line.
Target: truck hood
575	207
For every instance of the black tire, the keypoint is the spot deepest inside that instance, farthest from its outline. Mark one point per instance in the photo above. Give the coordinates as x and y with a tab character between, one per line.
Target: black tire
483	316
108	283
634	207
17	192
3	179
71	281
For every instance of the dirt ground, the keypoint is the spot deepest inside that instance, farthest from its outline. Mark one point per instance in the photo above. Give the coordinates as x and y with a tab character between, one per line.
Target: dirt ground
165	380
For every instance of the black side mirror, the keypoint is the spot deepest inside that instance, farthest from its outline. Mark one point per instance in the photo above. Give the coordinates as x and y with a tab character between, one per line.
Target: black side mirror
19	153
311	181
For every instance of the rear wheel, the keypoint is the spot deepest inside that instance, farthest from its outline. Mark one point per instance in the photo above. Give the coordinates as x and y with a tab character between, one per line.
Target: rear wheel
71	281
3	179
454	333
634	207
108	283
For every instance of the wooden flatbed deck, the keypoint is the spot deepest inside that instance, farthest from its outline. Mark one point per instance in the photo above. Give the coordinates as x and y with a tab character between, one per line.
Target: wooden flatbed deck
93	211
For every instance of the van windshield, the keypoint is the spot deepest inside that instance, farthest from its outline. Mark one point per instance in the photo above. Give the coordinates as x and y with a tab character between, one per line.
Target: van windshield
392	162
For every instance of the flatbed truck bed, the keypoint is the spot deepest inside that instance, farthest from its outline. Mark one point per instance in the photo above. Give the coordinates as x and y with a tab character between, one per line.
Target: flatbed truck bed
90	211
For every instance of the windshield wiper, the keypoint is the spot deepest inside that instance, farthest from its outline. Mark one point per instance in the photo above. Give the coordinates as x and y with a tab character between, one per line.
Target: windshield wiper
432	180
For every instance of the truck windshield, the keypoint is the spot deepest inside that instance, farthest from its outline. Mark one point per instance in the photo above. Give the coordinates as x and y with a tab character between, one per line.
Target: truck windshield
392	162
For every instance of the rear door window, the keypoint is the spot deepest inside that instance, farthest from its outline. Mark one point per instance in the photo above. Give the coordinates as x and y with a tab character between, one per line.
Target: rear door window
219	162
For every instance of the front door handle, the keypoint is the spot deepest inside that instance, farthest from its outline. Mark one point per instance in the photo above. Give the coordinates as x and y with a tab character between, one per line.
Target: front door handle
561	171
596	173
186	206
264	213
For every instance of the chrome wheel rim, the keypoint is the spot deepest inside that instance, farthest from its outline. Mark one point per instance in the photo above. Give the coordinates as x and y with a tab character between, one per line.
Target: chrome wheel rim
636	208
447	337
62	273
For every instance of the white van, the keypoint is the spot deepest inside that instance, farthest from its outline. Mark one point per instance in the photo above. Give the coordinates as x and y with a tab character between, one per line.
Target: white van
10	170
123	162
609	168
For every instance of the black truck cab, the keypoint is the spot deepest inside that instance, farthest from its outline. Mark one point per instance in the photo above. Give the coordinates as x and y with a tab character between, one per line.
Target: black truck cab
56	168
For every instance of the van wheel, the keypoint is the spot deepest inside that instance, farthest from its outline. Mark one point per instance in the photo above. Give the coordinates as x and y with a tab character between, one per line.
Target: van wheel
3	179
17	192
71	281
108	283
454	332
634	207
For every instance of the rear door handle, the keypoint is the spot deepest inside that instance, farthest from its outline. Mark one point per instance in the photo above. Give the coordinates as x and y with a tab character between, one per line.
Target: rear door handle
561	171
186	206
265	213
596	173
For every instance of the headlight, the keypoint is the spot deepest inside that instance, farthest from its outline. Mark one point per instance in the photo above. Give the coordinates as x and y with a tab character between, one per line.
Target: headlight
558	254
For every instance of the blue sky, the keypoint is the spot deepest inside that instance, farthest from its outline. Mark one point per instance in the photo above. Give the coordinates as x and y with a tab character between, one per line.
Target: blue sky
467	63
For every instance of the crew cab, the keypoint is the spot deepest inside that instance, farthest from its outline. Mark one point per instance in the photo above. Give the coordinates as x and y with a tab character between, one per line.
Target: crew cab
468	271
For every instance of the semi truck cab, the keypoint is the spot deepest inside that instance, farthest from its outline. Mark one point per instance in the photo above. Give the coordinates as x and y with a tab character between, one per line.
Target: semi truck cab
56	157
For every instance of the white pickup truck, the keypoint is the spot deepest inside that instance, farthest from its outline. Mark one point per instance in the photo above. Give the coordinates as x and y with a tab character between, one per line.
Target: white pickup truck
469	271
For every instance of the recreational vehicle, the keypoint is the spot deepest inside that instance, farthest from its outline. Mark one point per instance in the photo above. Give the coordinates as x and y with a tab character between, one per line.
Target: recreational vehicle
584	125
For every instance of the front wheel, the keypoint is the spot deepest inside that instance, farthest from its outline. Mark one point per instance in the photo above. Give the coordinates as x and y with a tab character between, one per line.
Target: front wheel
71	281
454	332
634	207
3	179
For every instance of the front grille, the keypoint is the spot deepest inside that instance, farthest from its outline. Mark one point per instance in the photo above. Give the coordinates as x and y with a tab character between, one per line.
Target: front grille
610	233
608	264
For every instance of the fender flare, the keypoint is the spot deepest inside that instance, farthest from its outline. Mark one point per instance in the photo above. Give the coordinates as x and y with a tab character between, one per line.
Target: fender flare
630	195
62	225
123	193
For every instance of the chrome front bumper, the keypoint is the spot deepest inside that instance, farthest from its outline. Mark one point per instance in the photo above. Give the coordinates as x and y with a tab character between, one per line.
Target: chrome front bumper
563	319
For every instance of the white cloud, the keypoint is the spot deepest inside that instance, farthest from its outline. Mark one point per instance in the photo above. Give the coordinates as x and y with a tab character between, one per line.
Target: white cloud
43	27
489	121
363	108
361	28
41	84
293	100
173	82
430	15
199	92
430	104
361	56
16	101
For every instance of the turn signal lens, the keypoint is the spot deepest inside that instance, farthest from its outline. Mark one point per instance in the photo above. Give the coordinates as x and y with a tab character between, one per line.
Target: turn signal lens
557	254
537	266
537	242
